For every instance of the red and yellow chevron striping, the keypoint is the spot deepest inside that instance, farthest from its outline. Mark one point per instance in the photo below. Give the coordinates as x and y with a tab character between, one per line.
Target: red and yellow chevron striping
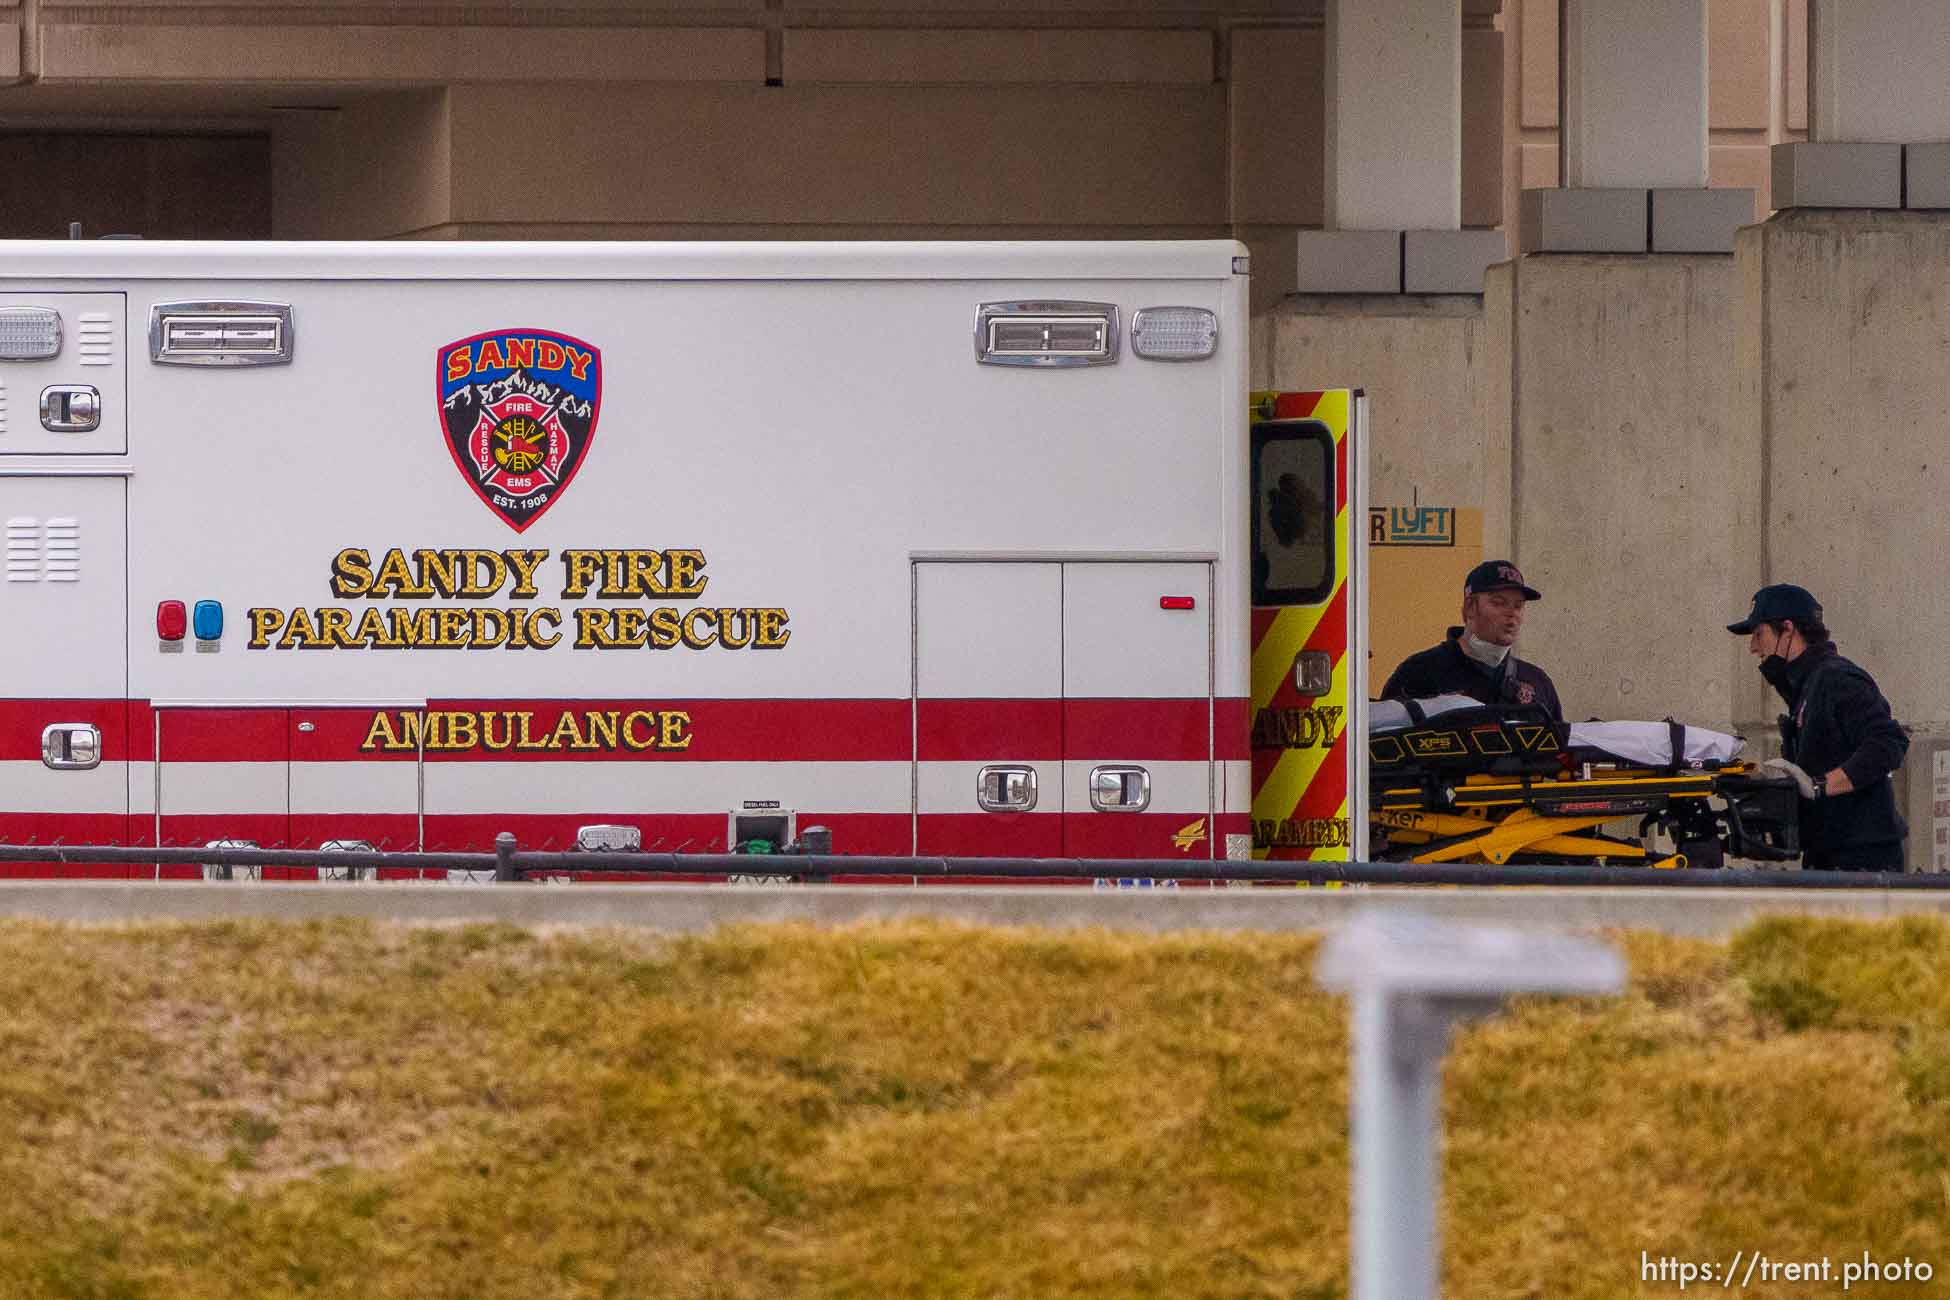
1300	742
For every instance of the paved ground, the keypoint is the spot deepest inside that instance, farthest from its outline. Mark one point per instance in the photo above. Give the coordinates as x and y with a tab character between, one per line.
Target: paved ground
678	908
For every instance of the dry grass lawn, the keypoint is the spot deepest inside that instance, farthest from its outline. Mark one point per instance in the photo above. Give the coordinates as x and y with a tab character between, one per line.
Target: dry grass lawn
261	1110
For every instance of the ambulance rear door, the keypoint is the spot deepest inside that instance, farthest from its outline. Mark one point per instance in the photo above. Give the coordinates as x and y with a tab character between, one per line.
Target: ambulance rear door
1309	655
1063	708
1137	710
988	710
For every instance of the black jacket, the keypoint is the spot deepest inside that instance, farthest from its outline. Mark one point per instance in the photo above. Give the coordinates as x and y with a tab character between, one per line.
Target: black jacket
1446	670
1838	718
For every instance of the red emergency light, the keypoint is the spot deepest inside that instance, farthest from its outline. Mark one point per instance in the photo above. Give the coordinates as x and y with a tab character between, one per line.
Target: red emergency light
1177	602
171	620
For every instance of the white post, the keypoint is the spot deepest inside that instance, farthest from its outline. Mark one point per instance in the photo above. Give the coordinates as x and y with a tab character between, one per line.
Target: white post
1397	1087
1413	980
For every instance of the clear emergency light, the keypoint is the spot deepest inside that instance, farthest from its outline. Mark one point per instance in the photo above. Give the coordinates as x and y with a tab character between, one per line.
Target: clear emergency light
29	333
1174	333
1046	333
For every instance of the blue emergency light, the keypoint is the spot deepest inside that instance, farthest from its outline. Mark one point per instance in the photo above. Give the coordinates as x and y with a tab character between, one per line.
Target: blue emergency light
207	620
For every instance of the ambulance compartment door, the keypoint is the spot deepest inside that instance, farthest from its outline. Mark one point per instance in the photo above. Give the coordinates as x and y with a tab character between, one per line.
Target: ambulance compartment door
356	776
988	687
1137	710
65	656
224	773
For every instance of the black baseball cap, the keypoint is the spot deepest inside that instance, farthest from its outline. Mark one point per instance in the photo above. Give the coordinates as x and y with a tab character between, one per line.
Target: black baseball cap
1782	600
1498	575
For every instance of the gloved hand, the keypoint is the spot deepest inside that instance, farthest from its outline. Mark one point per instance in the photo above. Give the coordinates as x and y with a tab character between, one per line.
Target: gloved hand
1781	767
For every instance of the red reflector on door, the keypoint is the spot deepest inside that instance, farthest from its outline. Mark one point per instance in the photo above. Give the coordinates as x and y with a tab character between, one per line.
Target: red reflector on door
171	621
1177	602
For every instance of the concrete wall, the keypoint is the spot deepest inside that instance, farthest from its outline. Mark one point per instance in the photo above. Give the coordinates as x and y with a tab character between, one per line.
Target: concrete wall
1635	492
691	909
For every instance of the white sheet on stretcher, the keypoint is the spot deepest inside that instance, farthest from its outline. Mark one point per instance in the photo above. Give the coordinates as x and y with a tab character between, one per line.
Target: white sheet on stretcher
1647	743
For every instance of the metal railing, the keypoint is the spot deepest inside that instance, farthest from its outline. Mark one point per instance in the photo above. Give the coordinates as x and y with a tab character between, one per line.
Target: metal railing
511	863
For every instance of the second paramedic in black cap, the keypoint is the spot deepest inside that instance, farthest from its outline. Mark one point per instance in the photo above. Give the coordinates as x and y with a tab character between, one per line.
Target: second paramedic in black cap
1838	729
1477	658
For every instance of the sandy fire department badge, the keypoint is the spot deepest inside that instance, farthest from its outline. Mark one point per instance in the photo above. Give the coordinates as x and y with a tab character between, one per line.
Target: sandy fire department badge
519	407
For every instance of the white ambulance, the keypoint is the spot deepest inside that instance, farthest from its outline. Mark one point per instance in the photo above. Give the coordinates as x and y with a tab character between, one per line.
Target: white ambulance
951	549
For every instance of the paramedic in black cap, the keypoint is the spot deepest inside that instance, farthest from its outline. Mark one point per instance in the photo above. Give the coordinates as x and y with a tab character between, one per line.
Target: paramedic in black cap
1838	729
1476	659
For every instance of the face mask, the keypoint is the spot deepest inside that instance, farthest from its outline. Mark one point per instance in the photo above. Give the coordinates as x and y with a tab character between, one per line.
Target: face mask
1486	653
1775	670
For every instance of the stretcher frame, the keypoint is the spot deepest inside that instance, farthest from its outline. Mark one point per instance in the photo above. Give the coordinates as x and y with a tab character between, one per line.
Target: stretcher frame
1500	785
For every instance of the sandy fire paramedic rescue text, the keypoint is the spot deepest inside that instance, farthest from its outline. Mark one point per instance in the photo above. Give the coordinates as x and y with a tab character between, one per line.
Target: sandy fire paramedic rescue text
602	575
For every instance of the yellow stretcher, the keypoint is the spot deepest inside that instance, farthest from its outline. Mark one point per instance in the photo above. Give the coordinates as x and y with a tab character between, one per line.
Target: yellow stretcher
1501	785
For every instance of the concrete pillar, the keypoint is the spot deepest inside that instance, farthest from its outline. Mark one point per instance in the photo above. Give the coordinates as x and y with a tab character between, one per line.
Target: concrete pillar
1635	490
1876	97
1634	167
1846	315
1634	91
1393	156
1854	490
1394	115
1878	70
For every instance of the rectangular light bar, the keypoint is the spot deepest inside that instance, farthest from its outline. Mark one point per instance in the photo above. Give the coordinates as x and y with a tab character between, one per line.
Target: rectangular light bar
1174	333
1034	333
29	333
